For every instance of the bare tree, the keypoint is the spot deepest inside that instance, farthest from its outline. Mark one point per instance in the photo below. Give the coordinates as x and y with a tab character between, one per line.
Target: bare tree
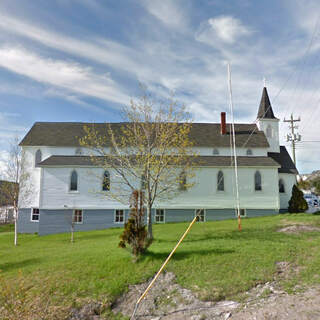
150	151
16	172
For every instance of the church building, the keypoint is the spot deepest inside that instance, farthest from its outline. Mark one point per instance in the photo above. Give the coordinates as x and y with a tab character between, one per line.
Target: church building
67	188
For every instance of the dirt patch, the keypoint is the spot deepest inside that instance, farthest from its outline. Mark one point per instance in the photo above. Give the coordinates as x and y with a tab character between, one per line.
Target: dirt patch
281	306
298	228
168	301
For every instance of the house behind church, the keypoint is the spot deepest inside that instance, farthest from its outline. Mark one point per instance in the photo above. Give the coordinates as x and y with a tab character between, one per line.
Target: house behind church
67	185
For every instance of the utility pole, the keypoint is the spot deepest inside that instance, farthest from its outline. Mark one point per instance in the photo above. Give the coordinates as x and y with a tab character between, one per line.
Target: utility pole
293	137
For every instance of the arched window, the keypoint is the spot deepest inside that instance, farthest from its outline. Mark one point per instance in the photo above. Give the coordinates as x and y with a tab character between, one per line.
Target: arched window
257	181
37	158
220	181
182	181
281	186
143	182
215	152
106	181
269	131
249	152
78	152
74	181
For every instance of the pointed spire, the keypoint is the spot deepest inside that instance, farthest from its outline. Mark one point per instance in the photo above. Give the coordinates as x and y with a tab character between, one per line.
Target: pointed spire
265	109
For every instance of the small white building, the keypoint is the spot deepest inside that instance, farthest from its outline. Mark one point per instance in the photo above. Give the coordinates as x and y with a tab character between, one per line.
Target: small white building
67	184
6	206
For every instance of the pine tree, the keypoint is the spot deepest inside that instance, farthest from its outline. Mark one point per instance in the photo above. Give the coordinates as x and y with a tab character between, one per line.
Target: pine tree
297	203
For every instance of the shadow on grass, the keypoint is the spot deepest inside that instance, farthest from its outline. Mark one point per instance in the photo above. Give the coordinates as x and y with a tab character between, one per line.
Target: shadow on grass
18	265
180	255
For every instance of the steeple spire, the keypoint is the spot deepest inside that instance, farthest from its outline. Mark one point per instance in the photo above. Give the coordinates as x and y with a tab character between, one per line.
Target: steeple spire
265	109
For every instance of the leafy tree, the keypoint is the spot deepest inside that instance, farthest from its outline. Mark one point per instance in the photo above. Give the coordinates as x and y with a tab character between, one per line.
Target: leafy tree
304	184
148	152
316	185
297	203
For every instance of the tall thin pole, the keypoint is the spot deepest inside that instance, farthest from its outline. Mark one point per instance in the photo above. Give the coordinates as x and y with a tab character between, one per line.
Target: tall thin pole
234	148
292	136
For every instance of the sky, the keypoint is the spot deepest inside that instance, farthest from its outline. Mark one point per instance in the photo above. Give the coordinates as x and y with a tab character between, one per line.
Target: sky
83	60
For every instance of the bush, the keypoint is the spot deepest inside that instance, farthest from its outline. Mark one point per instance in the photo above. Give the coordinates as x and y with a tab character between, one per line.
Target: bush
297	203
135	233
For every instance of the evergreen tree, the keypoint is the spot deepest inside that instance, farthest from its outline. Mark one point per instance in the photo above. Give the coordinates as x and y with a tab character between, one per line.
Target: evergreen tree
297	203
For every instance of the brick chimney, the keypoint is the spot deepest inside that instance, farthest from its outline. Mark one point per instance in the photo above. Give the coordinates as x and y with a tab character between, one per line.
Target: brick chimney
223	123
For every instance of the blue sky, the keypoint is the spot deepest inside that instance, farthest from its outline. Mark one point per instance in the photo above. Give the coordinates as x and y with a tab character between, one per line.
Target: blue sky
82	60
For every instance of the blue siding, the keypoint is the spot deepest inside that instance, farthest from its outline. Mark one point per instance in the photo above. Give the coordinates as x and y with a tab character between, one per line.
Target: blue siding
260	212
219	214
58	221
179	215
25	225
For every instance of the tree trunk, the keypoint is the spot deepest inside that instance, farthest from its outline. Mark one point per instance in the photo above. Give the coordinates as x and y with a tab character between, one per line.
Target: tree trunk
149	223
16	229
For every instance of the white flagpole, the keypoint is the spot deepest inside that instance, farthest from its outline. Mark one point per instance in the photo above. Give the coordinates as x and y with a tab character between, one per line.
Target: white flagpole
234	148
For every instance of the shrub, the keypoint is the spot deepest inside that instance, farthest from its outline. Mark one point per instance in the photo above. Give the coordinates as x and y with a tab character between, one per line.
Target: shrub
135	233
297	203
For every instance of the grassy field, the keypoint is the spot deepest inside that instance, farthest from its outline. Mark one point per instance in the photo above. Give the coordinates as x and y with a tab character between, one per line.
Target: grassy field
215	260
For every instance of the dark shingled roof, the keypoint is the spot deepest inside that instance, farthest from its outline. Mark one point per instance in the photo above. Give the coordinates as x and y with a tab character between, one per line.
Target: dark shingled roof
265	110
67	134
285	161
203	161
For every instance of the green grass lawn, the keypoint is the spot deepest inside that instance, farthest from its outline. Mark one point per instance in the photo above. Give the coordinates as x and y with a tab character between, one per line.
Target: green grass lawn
215	260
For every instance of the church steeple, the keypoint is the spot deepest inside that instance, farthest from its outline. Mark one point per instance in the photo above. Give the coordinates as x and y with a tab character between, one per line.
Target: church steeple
268	123
265	109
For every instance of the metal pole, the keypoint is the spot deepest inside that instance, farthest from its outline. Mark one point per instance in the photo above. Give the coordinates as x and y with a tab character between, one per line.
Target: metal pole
234	149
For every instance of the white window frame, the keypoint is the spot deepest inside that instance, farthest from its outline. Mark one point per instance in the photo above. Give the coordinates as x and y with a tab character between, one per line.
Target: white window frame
69	182
249	152
156	215
215	152
242	216
254	181
284	186
103	176
124	216
204	214
31	216
217	178
78	151
36	163
73	216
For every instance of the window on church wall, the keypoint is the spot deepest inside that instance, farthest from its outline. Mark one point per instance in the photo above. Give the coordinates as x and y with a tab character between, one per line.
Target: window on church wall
37	158
220	181
281	186
78	152
77	217
106	181
269	131
201	215
74	181
215	152
182	181
257	181
249	152
119	216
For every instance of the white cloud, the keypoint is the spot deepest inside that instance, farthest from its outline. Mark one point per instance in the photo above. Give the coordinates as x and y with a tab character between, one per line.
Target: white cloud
168	12
223	28
67	75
